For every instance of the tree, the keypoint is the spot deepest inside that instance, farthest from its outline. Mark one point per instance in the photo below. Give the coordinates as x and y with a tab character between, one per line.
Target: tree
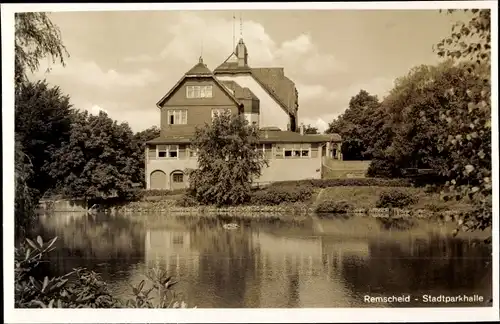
36	37
310	130
140	139
468	134
228	161
356	126
99	161
42	123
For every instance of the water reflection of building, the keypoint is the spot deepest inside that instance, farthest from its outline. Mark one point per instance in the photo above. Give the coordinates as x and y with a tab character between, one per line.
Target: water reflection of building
171	249
59	220
294	270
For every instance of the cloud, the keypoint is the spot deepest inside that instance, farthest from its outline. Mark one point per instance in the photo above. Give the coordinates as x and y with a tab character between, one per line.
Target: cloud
121	113
143	58
96	109
312	61
191	36
308	92
319	100
320	122
89	73
379	86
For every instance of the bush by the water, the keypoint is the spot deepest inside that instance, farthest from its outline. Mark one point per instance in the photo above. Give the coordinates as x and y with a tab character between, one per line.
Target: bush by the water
161	192
345	182
395	199
187	200
80	288
276	195
334	207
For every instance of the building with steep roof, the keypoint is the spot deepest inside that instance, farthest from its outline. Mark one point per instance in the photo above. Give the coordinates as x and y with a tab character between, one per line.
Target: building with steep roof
267	99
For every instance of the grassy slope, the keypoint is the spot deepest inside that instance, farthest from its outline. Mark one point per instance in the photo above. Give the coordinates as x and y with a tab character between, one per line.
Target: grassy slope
366	197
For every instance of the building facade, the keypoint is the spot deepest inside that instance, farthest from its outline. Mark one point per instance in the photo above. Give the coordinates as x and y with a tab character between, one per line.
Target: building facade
267	99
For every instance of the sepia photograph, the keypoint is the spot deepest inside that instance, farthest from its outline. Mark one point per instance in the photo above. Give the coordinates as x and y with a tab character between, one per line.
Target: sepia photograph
224	161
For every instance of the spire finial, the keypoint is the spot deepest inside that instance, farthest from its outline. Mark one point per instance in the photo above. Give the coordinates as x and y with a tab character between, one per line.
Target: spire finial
201	52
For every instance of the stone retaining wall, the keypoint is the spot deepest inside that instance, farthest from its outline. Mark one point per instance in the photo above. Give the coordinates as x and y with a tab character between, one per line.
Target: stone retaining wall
281	211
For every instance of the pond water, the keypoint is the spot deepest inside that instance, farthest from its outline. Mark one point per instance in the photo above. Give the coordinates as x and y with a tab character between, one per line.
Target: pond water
311	263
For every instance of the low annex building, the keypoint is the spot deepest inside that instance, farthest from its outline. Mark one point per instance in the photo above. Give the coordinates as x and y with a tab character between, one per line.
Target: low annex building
267	99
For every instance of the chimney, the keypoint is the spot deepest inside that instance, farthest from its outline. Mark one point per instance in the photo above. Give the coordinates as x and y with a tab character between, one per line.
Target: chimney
301	129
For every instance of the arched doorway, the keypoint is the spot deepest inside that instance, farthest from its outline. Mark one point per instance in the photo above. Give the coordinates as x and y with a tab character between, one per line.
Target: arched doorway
177	180
158	180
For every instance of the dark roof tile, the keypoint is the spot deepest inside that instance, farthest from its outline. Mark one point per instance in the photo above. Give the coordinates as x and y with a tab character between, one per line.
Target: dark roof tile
266	136
238	91
199	69
276	83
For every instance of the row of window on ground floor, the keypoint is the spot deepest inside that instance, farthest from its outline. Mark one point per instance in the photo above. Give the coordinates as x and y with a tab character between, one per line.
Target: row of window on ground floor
277	151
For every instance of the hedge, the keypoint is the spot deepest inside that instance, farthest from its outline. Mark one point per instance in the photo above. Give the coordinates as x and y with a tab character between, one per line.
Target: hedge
370	182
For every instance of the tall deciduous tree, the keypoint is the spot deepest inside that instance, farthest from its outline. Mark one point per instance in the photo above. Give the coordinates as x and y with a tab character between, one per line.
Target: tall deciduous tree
228	161
308	129
36	37
468	134
356	126
140	139
42	123
98	161
414	109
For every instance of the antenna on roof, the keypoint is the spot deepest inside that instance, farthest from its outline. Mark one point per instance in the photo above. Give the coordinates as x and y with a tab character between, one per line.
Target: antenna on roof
241	27
234	39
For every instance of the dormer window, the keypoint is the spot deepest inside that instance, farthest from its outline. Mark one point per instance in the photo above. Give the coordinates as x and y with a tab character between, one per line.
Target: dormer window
199	92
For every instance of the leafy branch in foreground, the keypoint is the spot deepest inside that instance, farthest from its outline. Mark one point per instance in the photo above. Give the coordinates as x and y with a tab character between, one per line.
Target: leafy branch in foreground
469	127
80	288
36	37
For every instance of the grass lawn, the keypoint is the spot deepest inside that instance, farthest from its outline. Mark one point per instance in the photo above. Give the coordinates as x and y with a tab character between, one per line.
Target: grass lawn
367	197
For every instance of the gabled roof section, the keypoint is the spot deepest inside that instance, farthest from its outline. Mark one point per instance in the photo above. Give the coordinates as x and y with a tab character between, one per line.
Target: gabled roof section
238	91
281	88
272	80
200	70
231	65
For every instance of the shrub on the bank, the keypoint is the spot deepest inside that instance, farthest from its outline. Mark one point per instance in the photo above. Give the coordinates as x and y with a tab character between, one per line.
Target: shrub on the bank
161	192
79	288
395	199
433	207
334	207
345	182
276	195
186	201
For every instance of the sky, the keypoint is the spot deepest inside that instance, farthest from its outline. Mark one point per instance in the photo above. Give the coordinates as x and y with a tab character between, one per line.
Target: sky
124	62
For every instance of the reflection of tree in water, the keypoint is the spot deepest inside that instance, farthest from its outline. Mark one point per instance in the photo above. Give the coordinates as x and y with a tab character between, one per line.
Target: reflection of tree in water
437	264
227	262
104	243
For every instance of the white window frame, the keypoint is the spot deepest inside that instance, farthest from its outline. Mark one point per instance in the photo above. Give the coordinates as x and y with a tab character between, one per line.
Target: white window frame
193	154
216	111
177	174
167	150
180	115
196	91
297	147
